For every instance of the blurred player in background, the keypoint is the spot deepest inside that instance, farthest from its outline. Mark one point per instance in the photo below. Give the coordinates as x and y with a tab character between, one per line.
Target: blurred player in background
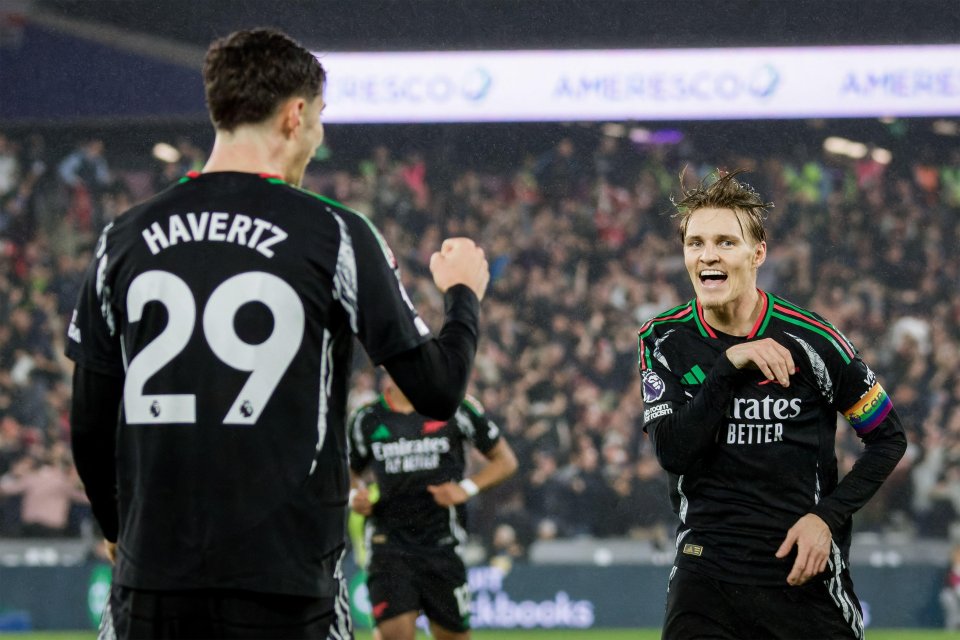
416	526
216	322
741	392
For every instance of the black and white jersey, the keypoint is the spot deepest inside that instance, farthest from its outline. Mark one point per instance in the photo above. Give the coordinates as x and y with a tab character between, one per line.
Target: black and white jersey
747	457
228	304
407	452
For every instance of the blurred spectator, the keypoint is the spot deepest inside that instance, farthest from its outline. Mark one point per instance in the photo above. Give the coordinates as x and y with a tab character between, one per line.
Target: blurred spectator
11	443
950	593
646	500
559	172
47	485
9	167
87	175
548	496
86	166
505	549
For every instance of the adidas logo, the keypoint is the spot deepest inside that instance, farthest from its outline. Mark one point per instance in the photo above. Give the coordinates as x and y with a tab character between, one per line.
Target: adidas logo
694	376
381	433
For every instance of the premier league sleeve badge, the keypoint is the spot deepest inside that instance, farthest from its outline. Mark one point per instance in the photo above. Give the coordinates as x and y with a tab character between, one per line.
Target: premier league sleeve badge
653	387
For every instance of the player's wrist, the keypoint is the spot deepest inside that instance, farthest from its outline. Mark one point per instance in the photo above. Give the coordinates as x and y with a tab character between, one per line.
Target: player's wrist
470	487
351	497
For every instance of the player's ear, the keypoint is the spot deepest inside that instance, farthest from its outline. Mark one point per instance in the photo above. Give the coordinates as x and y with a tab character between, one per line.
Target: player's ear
291	114
759	254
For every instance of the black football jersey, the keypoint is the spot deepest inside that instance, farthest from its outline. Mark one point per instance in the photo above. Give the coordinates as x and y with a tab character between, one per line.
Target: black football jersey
407	452
773	457
228	303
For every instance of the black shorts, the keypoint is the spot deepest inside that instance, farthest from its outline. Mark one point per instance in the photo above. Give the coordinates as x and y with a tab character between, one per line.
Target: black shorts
218	613
434	582
701	607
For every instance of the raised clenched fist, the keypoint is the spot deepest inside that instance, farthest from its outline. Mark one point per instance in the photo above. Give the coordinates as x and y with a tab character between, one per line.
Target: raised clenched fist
460	261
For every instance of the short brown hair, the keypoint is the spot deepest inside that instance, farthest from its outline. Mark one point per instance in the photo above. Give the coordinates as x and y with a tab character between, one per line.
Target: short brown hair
249	73
723	191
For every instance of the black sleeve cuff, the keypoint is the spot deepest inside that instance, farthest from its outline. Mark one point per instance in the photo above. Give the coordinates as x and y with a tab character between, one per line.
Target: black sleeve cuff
461	304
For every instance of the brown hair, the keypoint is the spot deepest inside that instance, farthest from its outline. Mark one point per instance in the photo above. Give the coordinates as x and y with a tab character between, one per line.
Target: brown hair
249	73
723	191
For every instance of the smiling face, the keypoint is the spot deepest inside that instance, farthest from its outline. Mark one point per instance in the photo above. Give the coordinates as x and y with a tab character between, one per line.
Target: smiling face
722	259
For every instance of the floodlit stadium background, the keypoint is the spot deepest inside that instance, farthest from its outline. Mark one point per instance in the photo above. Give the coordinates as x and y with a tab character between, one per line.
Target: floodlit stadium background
553	132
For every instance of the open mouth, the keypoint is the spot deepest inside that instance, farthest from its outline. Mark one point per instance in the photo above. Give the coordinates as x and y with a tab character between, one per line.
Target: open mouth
712	277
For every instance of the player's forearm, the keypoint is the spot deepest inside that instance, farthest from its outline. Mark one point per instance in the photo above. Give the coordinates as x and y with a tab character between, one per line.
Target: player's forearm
883	449
501	464
434	375
93	419
356	480
683	437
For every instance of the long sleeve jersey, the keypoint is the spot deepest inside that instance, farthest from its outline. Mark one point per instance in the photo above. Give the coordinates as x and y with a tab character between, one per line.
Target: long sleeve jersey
747	457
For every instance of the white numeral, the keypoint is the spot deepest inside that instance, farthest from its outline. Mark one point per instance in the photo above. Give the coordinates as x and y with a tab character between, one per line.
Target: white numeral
266	362
174	294
462	594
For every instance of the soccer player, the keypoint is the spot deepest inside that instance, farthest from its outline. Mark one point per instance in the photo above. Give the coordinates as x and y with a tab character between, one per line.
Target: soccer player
416	527
741	392
213	338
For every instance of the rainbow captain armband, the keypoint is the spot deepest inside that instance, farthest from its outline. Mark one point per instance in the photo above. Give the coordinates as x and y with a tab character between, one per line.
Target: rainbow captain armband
869	410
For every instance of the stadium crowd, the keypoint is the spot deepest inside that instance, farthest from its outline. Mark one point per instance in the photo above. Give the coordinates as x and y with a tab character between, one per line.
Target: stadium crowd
582	251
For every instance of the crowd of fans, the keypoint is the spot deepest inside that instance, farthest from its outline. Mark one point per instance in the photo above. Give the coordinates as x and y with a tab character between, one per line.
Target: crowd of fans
582	251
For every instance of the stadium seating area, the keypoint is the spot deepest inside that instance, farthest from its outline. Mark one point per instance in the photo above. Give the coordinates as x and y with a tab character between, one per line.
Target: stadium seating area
582	250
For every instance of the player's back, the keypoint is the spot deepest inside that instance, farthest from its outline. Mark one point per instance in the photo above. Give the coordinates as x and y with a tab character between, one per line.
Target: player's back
231	448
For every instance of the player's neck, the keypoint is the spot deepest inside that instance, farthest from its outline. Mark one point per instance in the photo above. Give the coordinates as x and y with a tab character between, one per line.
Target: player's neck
397	402
737	317
247	150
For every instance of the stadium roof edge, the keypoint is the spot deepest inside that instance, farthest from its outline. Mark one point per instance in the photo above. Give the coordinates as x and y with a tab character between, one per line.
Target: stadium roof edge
133	42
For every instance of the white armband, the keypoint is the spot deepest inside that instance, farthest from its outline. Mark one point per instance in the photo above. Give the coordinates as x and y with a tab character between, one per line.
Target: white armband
353	494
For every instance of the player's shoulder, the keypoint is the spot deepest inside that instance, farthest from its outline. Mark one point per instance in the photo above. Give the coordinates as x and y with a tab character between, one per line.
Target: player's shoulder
332	206
132	216
126	228
789	314
355	221
808	328
681	317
